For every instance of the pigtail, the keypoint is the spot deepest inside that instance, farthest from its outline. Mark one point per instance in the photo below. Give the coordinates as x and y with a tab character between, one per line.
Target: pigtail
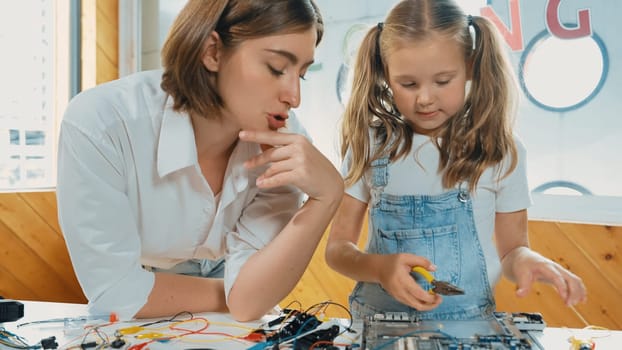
371	107
368	70
480	136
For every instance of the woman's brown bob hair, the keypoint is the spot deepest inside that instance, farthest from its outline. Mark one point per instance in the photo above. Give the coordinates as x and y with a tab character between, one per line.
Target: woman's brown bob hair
185	78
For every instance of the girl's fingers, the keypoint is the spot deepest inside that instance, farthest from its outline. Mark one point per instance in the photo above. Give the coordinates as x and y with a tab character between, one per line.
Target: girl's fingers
426	302
569	287
420	298
576	290
560	284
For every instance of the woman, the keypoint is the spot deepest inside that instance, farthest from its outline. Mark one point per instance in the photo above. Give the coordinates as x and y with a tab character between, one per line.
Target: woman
162	173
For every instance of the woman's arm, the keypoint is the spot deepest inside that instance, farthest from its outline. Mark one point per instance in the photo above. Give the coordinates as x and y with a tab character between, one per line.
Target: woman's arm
172	293
271	272
97	223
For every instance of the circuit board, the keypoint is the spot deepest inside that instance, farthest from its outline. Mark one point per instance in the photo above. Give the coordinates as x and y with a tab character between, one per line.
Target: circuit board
399	331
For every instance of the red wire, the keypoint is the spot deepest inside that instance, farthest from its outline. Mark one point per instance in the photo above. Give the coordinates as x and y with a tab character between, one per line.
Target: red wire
139	346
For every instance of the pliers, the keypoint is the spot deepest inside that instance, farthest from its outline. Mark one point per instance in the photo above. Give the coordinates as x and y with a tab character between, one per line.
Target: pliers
440	287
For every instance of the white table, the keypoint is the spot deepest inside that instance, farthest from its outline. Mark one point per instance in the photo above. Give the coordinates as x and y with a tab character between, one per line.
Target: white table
70	334
558	338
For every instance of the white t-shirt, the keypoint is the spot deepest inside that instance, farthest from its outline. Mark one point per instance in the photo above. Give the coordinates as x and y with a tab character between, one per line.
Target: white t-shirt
416	174
131	193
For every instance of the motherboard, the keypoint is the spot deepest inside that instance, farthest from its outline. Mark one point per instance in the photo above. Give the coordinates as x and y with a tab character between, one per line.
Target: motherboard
503	331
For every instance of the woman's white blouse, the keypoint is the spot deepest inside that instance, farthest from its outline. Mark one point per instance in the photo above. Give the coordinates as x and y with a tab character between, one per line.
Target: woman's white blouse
130	193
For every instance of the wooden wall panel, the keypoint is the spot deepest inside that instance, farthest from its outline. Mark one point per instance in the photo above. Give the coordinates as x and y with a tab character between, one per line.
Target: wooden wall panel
44	203
590	251
560	242
37	272
107	46
10	283
602	245
34	261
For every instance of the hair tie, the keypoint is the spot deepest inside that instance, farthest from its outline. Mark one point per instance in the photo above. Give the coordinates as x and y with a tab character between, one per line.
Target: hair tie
378	55
472	31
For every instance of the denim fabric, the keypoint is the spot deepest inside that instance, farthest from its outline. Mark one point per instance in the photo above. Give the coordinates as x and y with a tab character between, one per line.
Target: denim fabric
196	267
440	228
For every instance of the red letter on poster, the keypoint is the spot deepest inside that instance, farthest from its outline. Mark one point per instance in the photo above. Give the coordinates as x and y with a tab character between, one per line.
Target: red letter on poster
514	38
556	28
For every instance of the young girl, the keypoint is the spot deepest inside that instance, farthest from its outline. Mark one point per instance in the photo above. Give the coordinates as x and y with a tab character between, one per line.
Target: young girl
162	173
428	147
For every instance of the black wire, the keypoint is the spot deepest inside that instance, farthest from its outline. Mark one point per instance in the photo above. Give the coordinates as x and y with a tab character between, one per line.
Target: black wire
325	305
172	319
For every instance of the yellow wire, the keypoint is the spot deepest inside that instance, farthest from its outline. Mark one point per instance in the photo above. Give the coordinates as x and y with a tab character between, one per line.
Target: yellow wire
577	342
579	316
235	325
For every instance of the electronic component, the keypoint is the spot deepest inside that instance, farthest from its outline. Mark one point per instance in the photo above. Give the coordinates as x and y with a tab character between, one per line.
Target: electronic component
581	344
402	331
10	310
49	343
299	330
317	337
528	321
301	322
118	343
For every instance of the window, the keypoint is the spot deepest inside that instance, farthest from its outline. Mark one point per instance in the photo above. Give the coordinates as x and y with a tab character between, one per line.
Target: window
35	88
562	52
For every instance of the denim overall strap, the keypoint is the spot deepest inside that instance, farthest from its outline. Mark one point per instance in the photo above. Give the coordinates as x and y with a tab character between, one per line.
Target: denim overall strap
440	228
379	178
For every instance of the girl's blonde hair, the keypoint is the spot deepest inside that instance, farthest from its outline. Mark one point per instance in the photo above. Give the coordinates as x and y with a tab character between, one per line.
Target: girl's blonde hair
186	79
477	137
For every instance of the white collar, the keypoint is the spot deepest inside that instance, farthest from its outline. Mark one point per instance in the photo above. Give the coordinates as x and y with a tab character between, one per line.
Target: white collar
177	149
176	146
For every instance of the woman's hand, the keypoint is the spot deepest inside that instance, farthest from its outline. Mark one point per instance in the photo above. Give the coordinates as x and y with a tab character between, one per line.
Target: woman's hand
528	267
397	280
290	160
293	160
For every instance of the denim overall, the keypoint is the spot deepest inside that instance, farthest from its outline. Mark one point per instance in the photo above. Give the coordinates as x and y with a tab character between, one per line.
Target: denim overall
440	228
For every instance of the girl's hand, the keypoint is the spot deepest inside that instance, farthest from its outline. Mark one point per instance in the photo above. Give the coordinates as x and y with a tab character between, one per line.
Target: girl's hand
528	267
293	160
396	279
